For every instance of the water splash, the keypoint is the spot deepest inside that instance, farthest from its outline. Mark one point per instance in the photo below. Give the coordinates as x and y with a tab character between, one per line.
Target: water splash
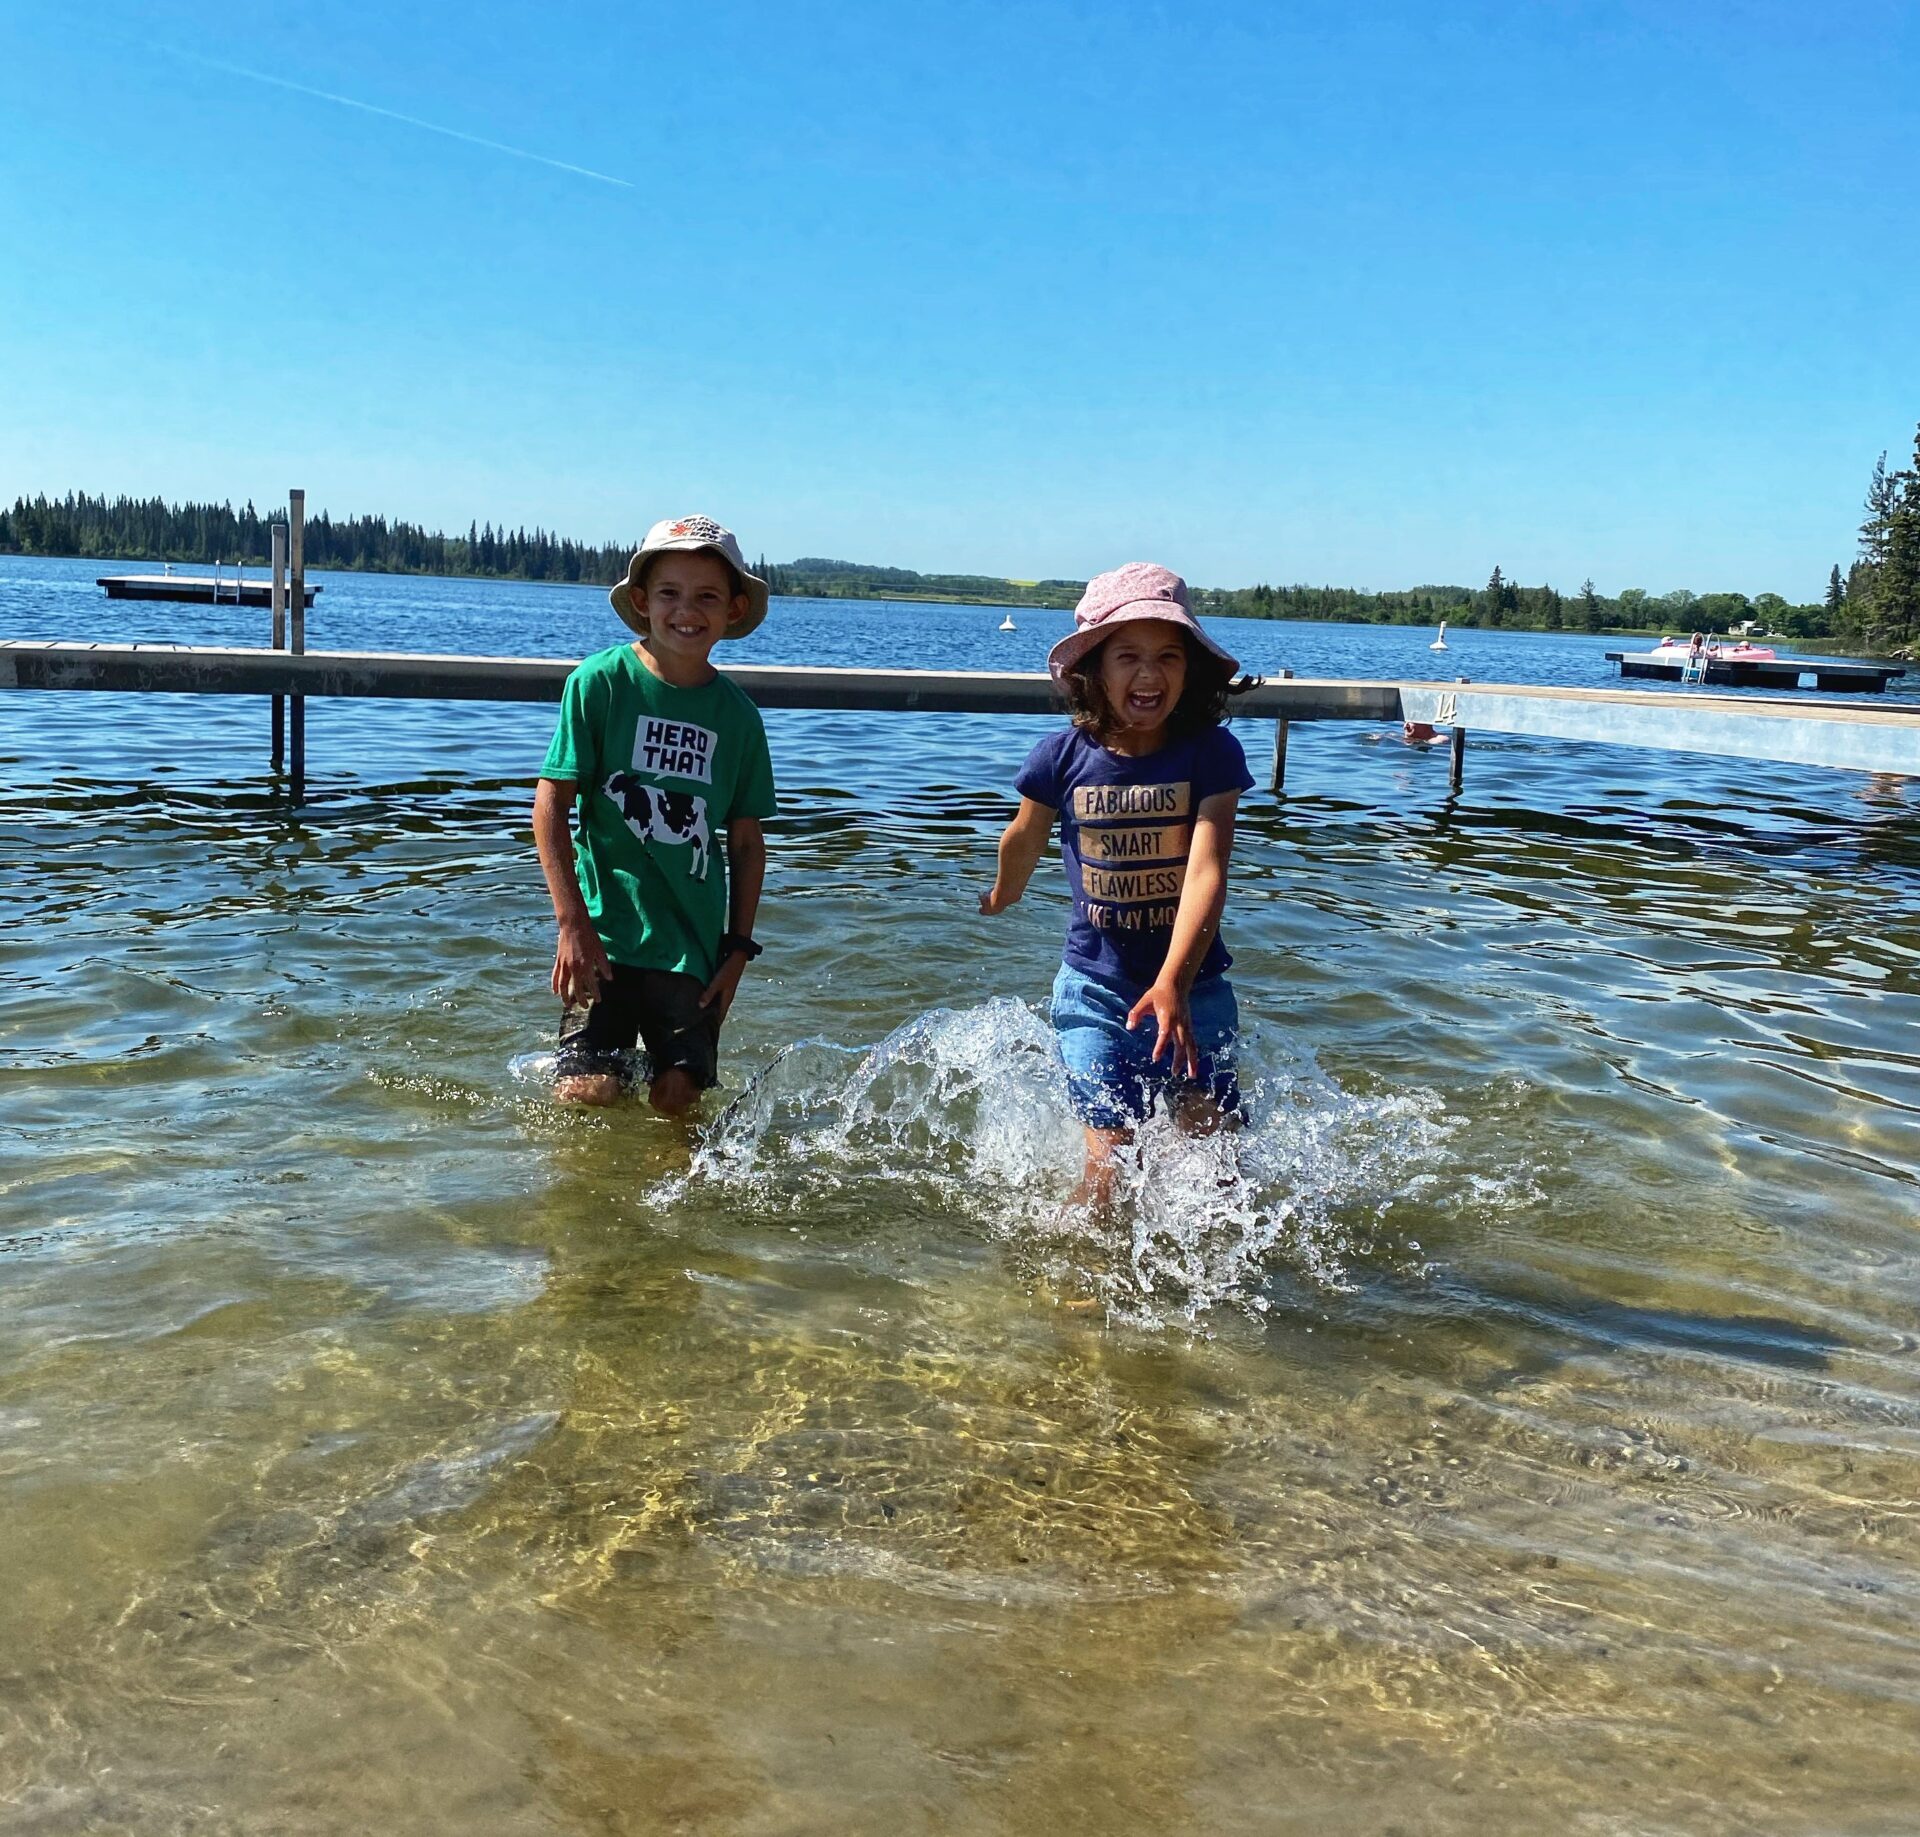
967	1110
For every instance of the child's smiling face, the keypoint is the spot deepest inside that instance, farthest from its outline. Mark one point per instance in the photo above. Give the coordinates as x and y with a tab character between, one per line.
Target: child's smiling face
688	602
1143	670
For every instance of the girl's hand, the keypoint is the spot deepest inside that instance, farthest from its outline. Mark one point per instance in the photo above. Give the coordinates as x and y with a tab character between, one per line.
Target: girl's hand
725	984
580	963
1166	1002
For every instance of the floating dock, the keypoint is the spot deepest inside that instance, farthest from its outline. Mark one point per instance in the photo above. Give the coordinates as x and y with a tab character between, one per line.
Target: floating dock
200	589
1830	673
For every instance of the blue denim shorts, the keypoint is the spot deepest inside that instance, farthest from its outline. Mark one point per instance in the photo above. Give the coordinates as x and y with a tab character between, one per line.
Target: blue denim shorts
1112	1080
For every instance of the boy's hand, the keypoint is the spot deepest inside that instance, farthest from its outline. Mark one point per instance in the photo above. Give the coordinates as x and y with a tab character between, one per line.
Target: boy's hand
580	964
726	983
993	900
1166	1002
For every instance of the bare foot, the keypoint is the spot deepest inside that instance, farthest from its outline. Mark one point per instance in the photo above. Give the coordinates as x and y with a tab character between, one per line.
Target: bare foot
674	1092
1066	1301
597	1088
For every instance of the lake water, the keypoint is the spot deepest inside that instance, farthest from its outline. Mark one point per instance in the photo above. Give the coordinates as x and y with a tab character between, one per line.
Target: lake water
1519	1423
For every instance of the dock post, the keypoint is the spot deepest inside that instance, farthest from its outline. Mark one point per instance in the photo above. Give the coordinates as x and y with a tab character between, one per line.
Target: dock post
278	601
1457	752
1279	776
297	625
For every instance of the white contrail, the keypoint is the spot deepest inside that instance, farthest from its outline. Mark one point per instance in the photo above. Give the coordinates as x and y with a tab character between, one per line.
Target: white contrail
412	121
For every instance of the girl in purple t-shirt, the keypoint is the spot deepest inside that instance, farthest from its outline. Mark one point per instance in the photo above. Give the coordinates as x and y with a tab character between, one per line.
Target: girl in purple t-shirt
1145	783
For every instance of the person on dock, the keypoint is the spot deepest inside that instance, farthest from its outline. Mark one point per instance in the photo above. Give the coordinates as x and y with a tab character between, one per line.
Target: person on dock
1145	783
661	754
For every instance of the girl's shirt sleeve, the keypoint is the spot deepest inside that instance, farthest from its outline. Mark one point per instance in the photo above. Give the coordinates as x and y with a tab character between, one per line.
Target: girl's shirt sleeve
1219	764
1039	778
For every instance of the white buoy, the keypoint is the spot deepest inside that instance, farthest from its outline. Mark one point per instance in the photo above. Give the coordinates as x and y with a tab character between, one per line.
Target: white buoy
1440	643
1007	624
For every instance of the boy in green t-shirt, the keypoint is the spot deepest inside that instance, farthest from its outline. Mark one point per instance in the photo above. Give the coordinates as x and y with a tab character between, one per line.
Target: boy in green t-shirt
662	753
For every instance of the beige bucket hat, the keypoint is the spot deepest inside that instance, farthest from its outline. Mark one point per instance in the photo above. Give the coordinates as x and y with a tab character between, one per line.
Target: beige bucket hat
691	533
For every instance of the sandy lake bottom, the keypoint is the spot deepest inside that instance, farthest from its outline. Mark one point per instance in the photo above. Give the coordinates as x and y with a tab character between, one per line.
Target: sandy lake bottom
1517	1425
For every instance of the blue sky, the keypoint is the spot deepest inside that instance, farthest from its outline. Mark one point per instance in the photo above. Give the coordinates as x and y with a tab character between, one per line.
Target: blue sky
1373	295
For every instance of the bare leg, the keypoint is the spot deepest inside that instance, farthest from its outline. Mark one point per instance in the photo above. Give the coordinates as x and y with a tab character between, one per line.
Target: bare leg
596	1088
1095	1190
674	1092
1197	1114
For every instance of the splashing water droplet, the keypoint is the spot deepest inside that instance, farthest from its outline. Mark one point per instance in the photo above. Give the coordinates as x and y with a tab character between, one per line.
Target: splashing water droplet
967	1110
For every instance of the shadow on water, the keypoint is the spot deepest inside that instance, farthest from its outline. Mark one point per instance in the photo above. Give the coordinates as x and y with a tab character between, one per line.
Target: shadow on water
1559	1322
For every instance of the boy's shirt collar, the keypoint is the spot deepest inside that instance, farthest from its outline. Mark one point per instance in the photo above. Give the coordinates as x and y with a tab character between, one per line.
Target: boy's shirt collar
651	664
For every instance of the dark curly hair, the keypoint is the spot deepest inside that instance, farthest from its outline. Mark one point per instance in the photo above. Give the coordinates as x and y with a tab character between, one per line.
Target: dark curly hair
1203	702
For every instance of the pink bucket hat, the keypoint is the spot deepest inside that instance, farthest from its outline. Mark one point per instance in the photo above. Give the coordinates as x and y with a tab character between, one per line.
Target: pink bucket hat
691	533
1140	590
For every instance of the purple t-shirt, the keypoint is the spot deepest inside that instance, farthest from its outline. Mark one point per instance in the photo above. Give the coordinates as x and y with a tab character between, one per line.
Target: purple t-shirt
1126	827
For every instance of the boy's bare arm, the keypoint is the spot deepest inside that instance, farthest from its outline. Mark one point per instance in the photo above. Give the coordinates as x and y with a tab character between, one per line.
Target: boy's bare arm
746	875
1021	846
579	960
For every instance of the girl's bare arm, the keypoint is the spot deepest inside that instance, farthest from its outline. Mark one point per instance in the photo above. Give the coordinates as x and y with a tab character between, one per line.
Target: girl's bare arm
1202	900
1022	844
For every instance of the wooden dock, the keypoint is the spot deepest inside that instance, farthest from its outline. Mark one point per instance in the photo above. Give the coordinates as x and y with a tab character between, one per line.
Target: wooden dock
198	589
1879	737
1784	673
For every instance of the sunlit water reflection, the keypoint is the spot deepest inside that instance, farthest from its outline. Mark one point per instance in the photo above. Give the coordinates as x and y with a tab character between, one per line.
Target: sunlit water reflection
1518	1417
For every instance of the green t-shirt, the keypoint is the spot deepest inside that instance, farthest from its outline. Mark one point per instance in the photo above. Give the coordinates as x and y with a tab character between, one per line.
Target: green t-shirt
661	771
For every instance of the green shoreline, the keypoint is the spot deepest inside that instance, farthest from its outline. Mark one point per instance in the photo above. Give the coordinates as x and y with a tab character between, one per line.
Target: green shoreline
1873	607
1456	617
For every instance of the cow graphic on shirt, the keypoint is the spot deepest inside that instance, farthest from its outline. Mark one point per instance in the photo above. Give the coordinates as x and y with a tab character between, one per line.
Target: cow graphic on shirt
674	817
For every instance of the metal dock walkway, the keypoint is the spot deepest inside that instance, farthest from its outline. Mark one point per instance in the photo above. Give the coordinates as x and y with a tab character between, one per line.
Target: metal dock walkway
1867	737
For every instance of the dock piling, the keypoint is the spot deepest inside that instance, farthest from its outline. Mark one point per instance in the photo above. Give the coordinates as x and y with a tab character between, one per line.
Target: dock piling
297	704
1278	779
279	604
1457	751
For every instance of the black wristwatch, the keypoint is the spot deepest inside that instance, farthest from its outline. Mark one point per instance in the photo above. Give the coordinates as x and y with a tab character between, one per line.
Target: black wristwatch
730	941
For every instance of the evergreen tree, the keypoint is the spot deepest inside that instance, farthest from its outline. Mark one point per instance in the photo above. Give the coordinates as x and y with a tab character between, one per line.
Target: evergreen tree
1883	496
1884	586
1495	606
1896	588
1592	618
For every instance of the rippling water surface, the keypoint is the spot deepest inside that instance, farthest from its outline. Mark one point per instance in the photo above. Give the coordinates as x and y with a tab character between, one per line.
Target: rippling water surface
1517	1424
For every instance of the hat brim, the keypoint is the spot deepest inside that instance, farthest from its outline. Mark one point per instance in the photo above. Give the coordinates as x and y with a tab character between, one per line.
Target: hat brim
1076	644
621	597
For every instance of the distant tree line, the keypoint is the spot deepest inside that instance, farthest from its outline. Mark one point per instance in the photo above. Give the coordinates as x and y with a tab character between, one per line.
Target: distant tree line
1503	604
147	529
1875	604
812	577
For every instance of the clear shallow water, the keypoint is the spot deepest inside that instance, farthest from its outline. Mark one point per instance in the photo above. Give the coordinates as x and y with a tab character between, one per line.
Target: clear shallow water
1523	1413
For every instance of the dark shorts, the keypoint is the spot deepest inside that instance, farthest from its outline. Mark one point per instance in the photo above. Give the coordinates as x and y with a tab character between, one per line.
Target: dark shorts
659	1008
